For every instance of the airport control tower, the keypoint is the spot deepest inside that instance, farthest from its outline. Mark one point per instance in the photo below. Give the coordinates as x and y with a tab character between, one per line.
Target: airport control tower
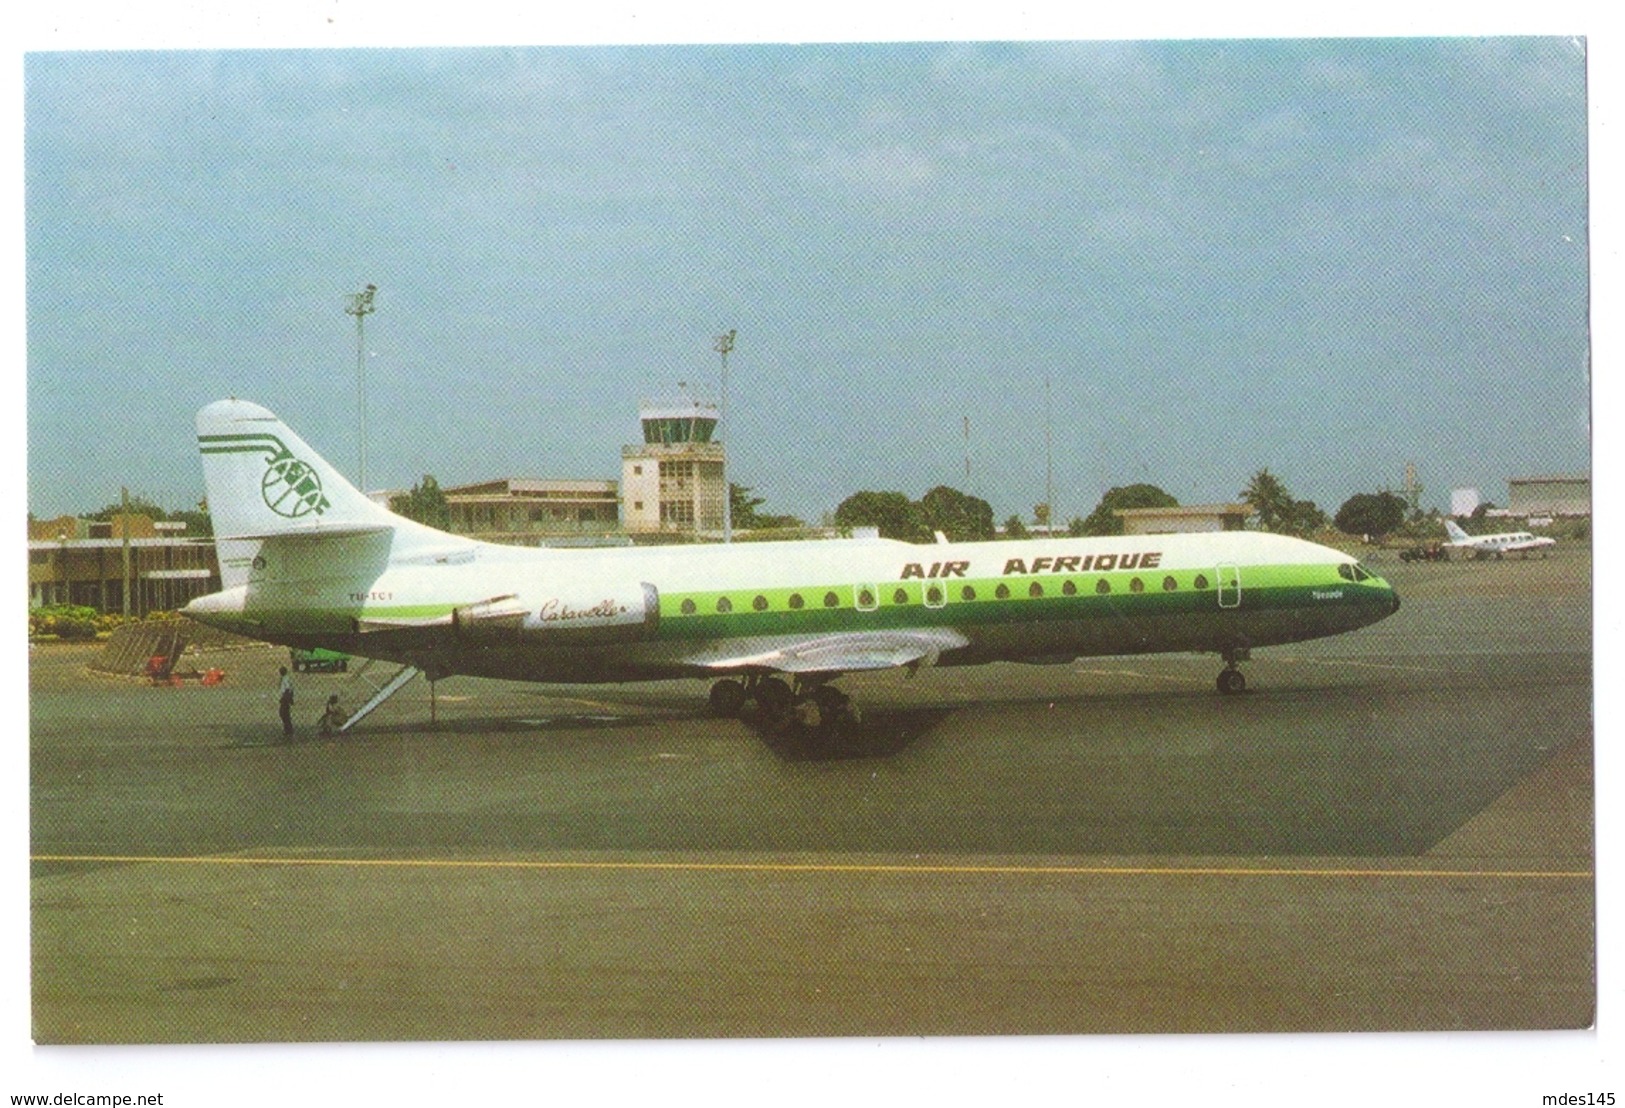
673	480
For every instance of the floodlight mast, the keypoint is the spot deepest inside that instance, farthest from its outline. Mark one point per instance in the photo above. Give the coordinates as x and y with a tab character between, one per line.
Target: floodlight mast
360	306
724	344
1049	466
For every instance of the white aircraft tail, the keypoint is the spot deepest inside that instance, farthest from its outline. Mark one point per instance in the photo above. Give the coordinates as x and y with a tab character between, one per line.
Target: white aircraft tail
266	484
1455	532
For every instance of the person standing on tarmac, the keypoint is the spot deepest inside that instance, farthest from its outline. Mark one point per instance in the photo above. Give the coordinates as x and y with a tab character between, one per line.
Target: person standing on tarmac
285	703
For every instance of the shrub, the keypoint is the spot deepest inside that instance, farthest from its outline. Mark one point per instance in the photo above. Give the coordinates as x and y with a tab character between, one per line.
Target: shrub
75	629
67	621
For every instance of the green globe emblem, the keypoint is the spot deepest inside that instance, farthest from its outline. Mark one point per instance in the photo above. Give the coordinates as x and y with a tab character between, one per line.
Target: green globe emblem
291	488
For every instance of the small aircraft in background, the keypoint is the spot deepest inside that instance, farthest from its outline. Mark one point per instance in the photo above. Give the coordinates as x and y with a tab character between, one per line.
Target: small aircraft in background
1497	546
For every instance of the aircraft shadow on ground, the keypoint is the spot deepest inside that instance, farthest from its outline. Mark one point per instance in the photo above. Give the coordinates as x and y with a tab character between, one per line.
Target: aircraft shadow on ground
1314	768
879	734
424	728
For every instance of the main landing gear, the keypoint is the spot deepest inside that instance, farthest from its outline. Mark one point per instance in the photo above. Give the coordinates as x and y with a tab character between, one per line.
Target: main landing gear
727	697
810	702
1230	679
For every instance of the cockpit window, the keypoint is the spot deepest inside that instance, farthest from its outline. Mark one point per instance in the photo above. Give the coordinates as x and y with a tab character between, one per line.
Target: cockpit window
1353	571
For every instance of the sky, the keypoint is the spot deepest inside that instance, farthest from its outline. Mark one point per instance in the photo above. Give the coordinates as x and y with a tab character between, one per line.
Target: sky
1121	261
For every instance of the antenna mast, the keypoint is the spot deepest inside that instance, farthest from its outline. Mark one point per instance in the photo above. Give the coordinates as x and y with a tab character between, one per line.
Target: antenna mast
360	306
724	344
1049	466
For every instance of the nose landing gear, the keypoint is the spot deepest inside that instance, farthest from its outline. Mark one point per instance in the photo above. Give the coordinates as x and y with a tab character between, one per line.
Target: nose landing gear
1230	679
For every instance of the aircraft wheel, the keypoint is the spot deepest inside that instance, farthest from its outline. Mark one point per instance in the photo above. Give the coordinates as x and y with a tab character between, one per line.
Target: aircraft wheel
774	697
727	697
1231	681
833	706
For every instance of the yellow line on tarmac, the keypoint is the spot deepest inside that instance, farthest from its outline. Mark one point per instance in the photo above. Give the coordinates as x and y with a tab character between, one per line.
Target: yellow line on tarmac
822	867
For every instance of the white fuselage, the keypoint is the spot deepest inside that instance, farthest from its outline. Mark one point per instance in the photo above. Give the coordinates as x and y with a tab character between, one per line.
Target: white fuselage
629	613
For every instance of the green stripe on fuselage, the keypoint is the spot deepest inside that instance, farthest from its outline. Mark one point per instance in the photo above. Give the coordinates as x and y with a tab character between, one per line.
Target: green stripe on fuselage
1315	589
903	603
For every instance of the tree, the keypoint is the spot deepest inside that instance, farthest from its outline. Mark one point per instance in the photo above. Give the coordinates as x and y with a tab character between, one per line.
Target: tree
1269	500
426	503
743	506
961	517
139	506
198	523
1104	520
1367	513
894	514
1274	509
1014	528
1304	518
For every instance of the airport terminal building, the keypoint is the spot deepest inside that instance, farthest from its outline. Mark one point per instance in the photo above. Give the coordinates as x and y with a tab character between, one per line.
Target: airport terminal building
535	512
76	561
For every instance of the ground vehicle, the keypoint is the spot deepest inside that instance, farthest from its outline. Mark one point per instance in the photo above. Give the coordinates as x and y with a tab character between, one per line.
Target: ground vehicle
318	661
1430	552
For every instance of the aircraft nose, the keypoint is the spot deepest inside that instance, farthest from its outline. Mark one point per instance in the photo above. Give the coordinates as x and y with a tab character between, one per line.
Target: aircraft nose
1393	597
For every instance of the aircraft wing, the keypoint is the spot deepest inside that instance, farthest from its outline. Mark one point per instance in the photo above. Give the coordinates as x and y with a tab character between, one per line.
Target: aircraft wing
848	652
1532	544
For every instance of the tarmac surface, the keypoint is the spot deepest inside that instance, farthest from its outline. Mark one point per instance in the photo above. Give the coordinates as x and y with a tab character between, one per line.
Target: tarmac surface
1391	830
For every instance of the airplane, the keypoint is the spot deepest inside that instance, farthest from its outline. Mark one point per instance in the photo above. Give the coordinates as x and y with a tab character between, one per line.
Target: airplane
308	561
1508	542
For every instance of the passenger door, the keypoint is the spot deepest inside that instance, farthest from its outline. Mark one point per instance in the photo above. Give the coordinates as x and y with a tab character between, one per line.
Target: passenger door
1229	587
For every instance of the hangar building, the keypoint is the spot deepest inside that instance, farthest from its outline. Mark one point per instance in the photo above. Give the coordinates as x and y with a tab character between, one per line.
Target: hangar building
1184	519
1567	495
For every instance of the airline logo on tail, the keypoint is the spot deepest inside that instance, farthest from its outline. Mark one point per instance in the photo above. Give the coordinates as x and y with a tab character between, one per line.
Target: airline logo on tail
291	488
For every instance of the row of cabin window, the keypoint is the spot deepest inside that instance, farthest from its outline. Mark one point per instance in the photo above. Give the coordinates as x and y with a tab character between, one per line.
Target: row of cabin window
934	595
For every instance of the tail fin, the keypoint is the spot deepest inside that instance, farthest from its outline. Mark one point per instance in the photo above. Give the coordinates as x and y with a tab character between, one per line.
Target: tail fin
265	483
1455	532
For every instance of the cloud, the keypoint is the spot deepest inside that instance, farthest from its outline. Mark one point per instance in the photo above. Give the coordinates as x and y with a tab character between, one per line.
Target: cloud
881	170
